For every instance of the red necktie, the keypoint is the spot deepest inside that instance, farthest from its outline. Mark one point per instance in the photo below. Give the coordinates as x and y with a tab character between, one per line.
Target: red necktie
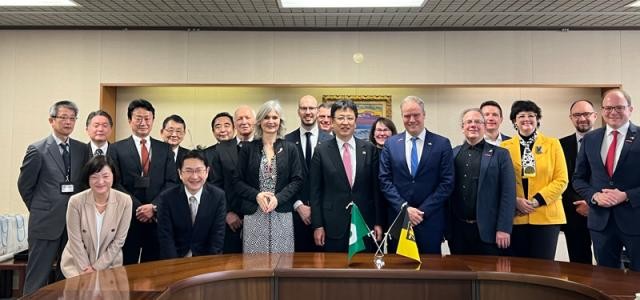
346	161
611	154
145	157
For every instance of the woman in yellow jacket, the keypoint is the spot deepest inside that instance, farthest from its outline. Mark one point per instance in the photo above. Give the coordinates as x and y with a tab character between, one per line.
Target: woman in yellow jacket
541	177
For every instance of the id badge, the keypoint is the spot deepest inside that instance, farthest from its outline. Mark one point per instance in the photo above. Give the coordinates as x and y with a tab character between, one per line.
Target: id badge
529	172
142	182
67	188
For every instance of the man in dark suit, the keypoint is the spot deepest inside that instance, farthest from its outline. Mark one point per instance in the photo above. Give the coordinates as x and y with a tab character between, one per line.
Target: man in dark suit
324	118
99	128
483	202
49	175
343	170
222	127
306	138
492	113
224	163
416	166
576	209
146	167
191	218
605	176
173	131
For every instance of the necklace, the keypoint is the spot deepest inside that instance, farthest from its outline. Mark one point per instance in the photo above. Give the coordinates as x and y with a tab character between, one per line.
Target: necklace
101	205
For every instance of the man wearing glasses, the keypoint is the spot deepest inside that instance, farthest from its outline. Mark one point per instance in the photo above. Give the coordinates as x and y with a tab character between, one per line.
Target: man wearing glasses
606	177
582	116
172	132
49	175
192	219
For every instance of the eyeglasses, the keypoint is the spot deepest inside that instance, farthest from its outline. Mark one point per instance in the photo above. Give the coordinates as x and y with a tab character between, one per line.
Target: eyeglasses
470	122
584	114
190	172
66	118
526	116
341	119
618	108
176	131
383	130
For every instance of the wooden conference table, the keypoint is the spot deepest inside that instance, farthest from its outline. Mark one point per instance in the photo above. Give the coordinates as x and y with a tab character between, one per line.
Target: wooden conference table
327	276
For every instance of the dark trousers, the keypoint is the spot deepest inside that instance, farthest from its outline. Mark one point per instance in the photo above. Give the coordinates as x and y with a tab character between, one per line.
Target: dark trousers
429	237
303	235
42	254
607	245
535	241
232	240
141	244
578	241
465	239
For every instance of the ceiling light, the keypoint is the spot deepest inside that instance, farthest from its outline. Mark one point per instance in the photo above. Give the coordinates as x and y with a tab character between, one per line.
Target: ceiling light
350	3
634	4
37	3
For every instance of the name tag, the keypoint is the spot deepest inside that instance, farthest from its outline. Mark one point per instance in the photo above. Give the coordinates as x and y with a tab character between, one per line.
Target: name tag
67	188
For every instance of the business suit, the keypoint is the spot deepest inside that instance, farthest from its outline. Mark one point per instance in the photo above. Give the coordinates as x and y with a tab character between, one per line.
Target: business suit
330	191
575	231
177	235
427	191
223	161
162	175
80	251
41	174
611	227
550	181
304	233
495	203
182	151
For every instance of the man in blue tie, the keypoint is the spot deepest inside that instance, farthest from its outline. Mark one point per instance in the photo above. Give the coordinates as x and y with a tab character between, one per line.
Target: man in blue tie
416	166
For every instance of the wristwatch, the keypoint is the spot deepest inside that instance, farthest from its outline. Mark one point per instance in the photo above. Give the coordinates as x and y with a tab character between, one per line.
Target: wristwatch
535	203
155	208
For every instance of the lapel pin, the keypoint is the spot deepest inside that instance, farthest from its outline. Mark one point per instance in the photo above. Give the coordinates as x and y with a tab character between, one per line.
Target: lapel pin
538	149
429	143
364	152
280	150
297	142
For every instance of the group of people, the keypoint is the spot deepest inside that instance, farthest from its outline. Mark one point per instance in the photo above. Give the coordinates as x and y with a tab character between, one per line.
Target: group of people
258	190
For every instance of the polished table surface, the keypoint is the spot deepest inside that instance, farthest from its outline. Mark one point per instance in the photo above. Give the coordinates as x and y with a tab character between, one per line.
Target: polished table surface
151	280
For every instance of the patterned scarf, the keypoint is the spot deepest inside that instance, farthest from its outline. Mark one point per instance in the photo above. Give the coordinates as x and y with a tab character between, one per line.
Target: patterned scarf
528	162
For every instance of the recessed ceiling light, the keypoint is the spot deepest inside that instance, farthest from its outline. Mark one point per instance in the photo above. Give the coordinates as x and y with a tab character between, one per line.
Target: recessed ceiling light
634	4
37	3
350	3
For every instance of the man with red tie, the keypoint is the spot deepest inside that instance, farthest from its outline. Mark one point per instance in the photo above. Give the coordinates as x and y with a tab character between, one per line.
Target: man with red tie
605	177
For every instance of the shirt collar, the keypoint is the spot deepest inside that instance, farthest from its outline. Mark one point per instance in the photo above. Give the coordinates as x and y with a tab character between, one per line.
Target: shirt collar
137	140
95	147
622	130
314	130
497	140
58	141
421	136
197	195
351	142
478	146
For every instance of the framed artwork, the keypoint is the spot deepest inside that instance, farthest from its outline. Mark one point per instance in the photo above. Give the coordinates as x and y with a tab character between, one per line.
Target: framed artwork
370	108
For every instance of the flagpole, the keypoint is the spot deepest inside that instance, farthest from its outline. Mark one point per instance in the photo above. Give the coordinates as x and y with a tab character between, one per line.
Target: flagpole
386	234
370	232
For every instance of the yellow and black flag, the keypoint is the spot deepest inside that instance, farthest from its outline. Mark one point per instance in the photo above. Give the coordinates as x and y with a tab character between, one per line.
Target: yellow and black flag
403	232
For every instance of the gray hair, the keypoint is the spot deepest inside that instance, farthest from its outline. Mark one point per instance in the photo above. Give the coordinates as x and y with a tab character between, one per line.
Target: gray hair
266	108
53	110
414	99
464	112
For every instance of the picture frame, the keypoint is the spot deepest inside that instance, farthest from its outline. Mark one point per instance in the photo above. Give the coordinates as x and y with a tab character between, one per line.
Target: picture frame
370	108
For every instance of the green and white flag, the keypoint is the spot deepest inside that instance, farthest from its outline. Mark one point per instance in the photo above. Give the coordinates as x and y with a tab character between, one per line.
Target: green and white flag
359	230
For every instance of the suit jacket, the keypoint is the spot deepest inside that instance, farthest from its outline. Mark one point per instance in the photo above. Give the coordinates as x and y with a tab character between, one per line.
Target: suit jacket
570	148
41	174
331	192
433	183
294	137
550	180
182	151
504	137
288	183
162	169
496	198
223	160
80	250
591	177
177	235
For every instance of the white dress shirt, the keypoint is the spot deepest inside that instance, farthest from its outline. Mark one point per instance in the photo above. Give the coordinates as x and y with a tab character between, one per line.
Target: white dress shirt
608	138
409	144
136	141
314	139
495	142
95	147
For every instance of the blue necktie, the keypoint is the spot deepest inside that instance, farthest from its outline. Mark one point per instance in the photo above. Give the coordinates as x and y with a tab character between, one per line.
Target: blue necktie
414	156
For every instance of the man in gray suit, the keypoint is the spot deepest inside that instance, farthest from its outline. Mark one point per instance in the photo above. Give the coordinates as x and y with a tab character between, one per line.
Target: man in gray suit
49	175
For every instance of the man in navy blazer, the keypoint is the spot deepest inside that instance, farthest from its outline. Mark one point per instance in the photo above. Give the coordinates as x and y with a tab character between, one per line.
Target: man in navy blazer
416	166
483	203
492	113
306	138
191	219
606	177
146	167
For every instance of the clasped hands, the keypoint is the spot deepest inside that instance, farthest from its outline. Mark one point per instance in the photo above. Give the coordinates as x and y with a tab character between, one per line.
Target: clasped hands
267	201
144	213
609	197
524	206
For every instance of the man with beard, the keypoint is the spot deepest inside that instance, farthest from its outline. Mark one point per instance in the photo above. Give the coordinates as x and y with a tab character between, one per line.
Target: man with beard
306	138
576	208
492	113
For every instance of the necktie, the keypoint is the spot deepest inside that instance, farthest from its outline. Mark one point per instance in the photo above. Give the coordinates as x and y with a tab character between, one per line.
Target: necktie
414	156
99	152
66	158
307	149
579	144
144	159
346	161
611	154
193	205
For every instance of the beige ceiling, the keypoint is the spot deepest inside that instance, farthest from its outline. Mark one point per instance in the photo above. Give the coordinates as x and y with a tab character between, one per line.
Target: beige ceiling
267	15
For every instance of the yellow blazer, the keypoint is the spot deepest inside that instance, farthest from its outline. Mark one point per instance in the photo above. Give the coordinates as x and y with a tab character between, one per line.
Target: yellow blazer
550	181
80	250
